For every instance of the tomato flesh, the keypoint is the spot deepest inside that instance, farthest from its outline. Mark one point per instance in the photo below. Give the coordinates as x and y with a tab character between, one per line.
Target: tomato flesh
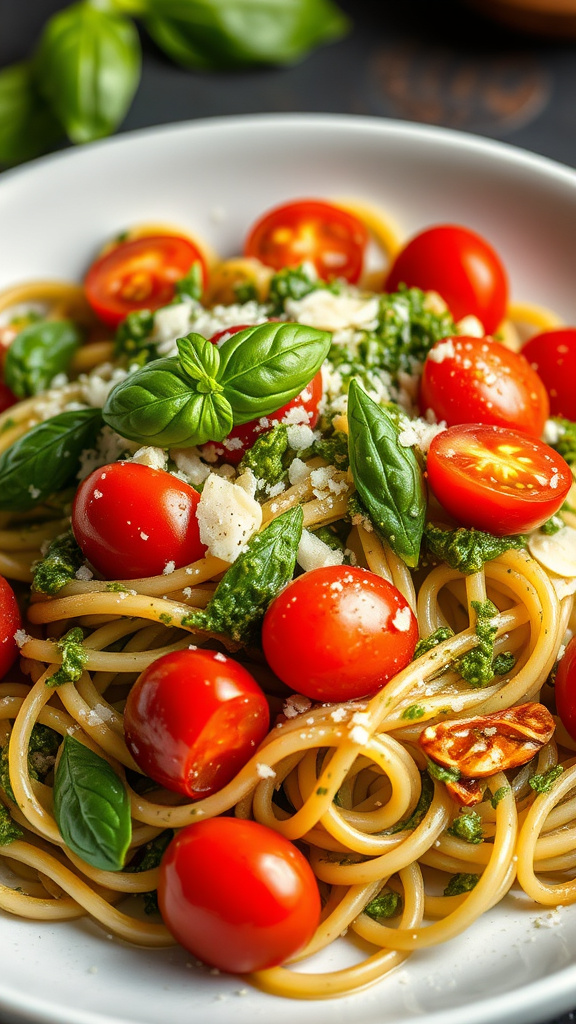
458	264
565	689
338	633
132	521
496	479
552	354
139	274
10	622
193	718
477	380
237	895
312	231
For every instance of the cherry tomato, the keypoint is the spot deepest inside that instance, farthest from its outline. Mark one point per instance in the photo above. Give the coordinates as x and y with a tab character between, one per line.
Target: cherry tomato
496	479
458	264
11	621
7	397
338	633
312	231
139	274
552	355
132	521
237	895
565	688
193	718
477	380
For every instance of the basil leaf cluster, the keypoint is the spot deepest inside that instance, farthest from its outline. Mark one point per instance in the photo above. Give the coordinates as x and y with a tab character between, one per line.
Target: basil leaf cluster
200	394
79	82
387	476
38	353
91	807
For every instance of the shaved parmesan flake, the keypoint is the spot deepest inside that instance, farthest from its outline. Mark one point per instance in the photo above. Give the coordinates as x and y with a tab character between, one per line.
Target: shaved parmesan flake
556	552
228	517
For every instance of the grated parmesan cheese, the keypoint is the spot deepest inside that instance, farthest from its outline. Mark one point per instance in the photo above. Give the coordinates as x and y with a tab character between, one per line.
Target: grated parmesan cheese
228	517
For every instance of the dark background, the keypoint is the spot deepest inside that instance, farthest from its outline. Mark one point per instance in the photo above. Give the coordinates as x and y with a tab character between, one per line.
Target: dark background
434	61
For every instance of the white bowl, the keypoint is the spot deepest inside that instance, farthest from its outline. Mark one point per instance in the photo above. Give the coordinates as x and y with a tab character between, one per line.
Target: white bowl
214	177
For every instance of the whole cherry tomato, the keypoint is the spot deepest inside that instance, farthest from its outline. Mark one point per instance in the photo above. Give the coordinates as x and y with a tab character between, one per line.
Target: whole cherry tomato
132	521
552	355
312	231
193	718
458	264
11	621
139	274
496	479
565	688
338	633
477	380
237	895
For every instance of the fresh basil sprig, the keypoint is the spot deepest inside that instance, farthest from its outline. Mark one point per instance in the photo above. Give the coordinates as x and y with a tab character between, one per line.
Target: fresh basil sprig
91	807
210	34
203	392
38	353
387	475
88	69
253	581
46	458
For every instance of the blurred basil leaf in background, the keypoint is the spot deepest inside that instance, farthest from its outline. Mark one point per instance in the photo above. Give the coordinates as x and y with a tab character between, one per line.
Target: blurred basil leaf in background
214	34
88	69
80	81
27	126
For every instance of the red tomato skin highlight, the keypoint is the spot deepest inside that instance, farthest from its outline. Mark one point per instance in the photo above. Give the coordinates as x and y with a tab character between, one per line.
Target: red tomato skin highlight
193	718
483	382
331	635
565	688
458	264
139	274
237	895
312	231
552	354
460	467
131	521
11	621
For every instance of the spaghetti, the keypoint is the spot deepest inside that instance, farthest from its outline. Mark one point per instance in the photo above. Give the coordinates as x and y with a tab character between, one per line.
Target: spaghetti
346	781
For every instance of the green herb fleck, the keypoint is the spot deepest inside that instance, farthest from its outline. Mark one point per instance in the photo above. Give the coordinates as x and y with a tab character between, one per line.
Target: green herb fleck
467	550
503	663
543	783
413	712
566	443
460	883
291	283
421	809
468	827
499	795
265	458
321	791
117	588
386	904
429	642
164	617
192	282
133	338
334	449
9	830
441	773
59	565
476	666
74	657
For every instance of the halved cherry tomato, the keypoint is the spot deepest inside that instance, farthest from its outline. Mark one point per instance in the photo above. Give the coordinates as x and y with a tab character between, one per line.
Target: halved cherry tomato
477	380
132	521
565	689
193	718
458	264
312	231
496	479
139	274
338	633
10	622
552	355
238	895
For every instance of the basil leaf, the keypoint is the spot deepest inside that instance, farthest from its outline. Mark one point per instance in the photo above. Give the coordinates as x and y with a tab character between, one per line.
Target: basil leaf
159	404
38	353
263	367
199	358
46	458
256	577
88	69
91	807
212	34
387	476
27	127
